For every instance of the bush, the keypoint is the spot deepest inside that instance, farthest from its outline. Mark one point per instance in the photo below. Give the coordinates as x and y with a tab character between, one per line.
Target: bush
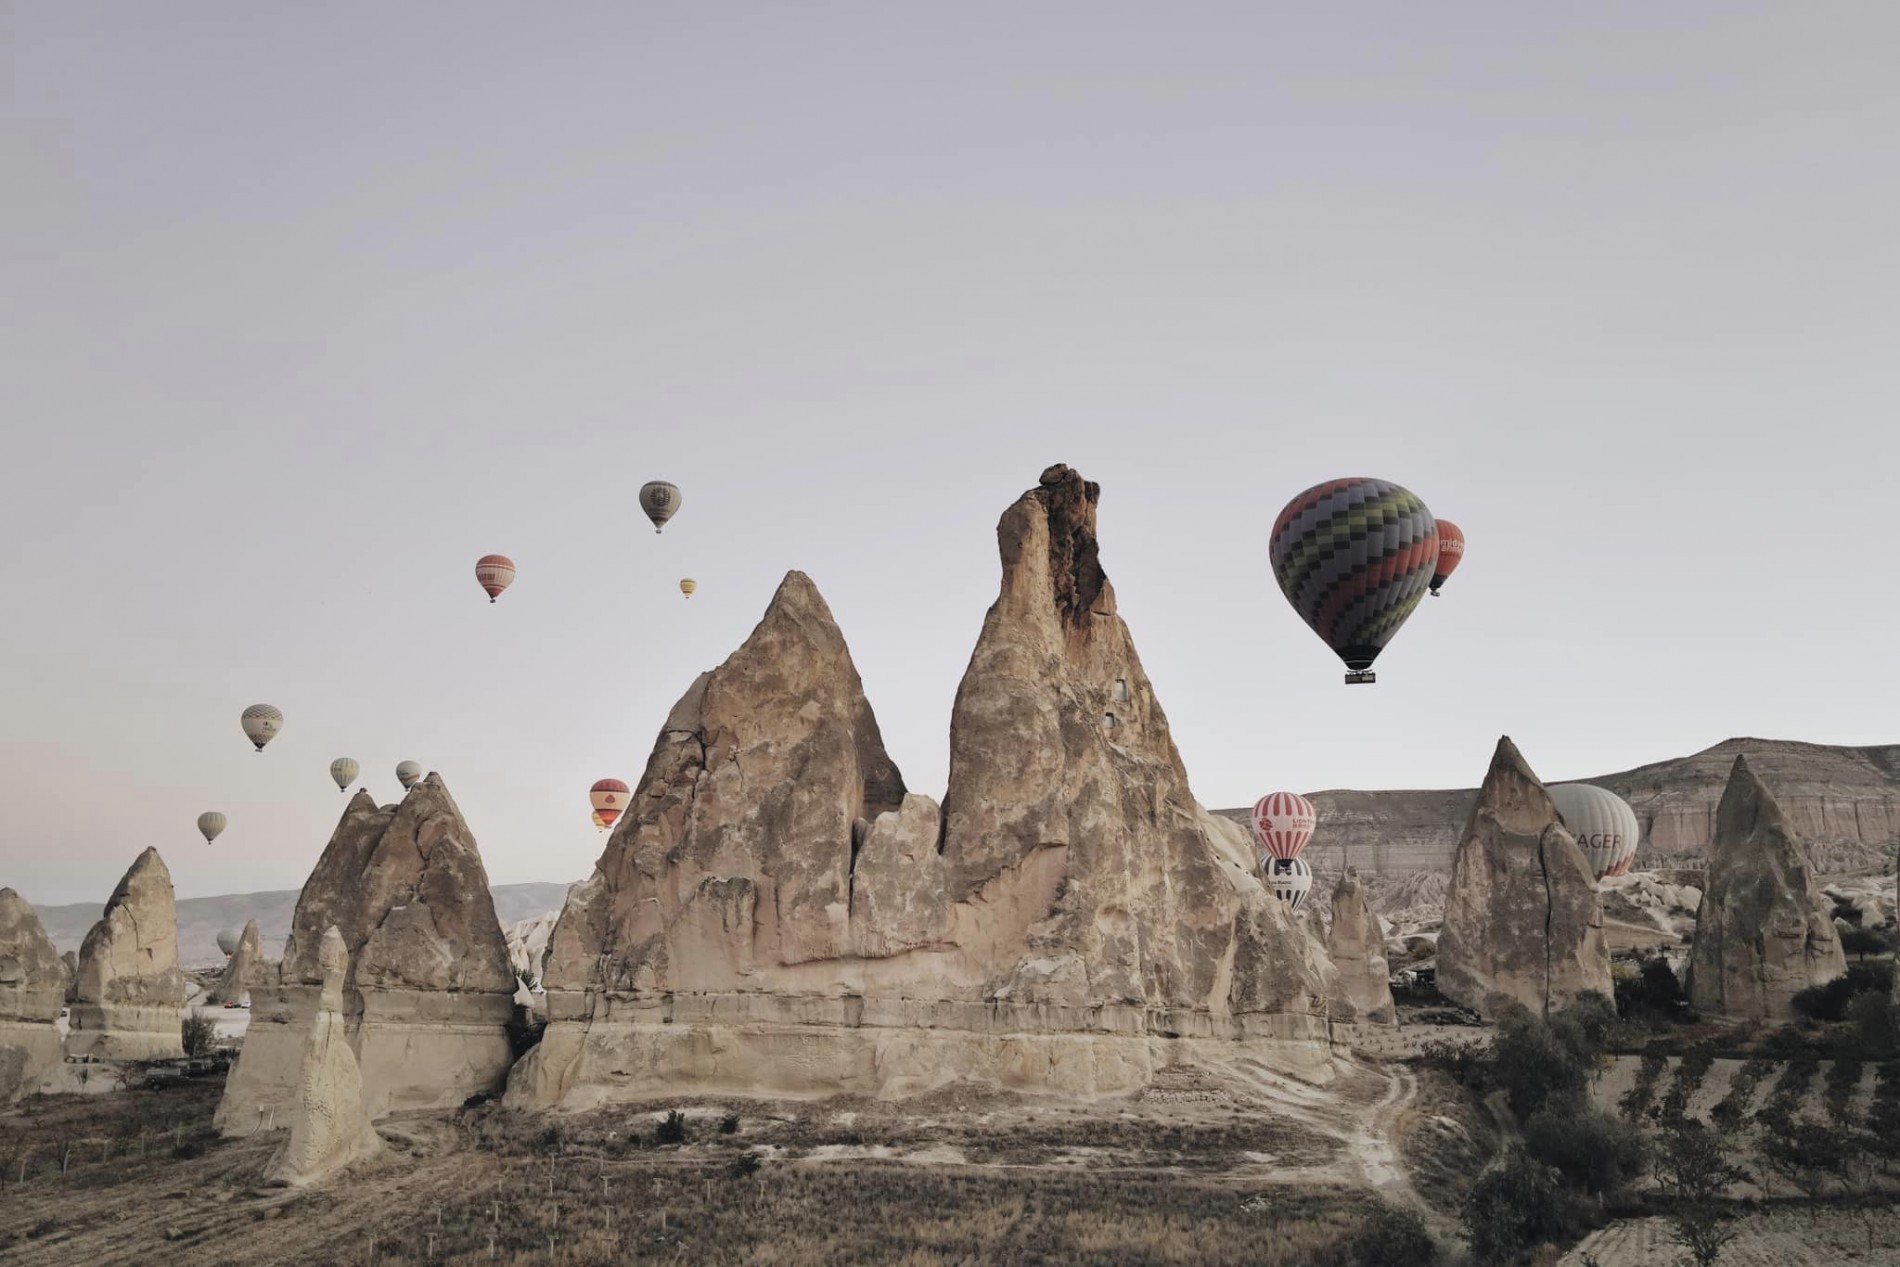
1862	942
1596	1152
743	1165
198	1034
1518	1204
1876	1025
672	1129
1533	1064
1829	1002
1392	1235
1635	1101
1654	994
729	1124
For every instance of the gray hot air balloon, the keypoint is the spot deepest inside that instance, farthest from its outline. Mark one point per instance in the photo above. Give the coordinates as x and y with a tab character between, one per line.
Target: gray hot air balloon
408	774
344	770
261	724
228	941
210	823
661	501
1603	823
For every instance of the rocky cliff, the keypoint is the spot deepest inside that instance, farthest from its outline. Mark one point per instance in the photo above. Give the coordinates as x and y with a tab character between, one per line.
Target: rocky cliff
32	991
129	997
777	913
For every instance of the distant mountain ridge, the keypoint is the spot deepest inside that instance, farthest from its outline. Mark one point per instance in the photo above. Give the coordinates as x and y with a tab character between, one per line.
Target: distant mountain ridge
201	918
1845	802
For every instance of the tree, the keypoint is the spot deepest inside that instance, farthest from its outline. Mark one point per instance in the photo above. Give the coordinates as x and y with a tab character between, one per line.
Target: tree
1695	1163
198	1035
1516	1204
1810	1155
1596	1152
1703	1229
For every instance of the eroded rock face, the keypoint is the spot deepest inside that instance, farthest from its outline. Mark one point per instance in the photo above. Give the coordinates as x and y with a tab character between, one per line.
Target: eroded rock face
129	998
233	986
1762	934
32	990
1357	947
328	1120
775	913
428	991
1523	923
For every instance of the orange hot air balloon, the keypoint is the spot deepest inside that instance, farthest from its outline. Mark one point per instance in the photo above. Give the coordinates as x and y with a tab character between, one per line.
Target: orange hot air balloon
600	824
496	572
609	797
1451	552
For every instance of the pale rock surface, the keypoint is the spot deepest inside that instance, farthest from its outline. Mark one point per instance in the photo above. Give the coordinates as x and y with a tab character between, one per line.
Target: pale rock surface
233	986
1762	933
1357	946
329	1123
32	991
776	914
1523	923
428	992
129	1000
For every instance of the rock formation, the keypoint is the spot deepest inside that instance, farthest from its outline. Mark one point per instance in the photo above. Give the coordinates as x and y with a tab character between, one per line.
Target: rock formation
234	985
1357	947
776	913
32	990
428	993
129	1002
329	1124
1762	936
1522	919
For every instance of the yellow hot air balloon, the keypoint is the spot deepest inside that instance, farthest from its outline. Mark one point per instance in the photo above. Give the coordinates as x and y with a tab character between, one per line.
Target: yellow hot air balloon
688	585
210	823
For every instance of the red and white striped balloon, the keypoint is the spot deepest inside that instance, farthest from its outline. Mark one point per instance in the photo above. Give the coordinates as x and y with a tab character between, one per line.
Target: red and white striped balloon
609	797
1282	823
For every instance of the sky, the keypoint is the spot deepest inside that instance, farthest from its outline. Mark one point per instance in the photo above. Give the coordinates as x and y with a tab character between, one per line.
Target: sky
304	308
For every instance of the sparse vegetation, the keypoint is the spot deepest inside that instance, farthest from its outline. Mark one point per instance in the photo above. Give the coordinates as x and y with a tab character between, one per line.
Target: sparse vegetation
199	1035
672	1128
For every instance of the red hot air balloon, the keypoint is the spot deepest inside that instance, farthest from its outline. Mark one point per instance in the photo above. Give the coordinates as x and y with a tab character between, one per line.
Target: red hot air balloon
609	797
496	572
1451	552
1282	824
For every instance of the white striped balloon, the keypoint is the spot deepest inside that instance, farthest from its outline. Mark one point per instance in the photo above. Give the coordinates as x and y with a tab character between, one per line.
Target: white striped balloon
210	823
1282	824
1289	879
344	771
1603	823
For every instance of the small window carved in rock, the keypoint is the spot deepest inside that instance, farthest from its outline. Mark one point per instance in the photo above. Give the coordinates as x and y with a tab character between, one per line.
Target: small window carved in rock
1121	690
1109	722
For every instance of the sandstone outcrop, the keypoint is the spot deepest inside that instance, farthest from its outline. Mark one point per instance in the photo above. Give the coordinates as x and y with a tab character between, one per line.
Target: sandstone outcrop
777	914
129	1000
1762	934
1357	947
32	991
329	1124
428	992
1522	920
233	986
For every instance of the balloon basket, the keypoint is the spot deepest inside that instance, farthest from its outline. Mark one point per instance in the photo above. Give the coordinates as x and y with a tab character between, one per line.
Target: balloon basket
1364	677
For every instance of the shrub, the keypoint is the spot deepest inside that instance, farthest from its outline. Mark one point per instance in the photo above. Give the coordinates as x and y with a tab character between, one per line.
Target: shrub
1876	1024
1533	1064
1694	1161
1862	942
1517	1204
1596	1152
743	1165
1829	1002
1391	1235
198	1034
729	1124
672	1129
1654	994
1636	1100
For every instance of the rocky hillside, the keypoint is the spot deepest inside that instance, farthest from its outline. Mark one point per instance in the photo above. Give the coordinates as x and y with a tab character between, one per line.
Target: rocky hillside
1845	802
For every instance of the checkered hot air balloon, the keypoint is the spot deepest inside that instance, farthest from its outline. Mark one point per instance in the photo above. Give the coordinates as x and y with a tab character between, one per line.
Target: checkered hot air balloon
1354	557
261	723
1282	824
1451	552
495	572
609	797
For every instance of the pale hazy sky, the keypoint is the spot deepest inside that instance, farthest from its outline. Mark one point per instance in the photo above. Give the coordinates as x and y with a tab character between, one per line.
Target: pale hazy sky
308	306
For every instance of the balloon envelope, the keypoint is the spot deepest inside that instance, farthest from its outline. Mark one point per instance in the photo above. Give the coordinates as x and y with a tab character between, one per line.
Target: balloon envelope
688	585
609	797
408	773
598	821
344	771
1451	552
210	823
496	572
261	723
1289	879
1353	557
1603	823
228	940
1282	824
660	500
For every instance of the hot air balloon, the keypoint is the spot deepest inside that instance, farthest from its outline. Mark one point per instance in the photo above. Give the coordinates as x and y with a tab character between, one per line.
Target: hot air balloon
599	824
661	501
228	941
609	797
1451	552
688	585
210	823
1288	879
408	774
1282	824
1603	823
261	723
344	771
1354	557
496	572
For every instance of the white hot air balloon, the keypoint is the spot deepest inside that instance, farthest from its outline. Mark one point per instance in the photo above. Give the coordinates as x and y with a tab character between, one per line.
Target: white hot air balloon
228	941
1603	823
408	774
210	823
344	771
1289	879
261	723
